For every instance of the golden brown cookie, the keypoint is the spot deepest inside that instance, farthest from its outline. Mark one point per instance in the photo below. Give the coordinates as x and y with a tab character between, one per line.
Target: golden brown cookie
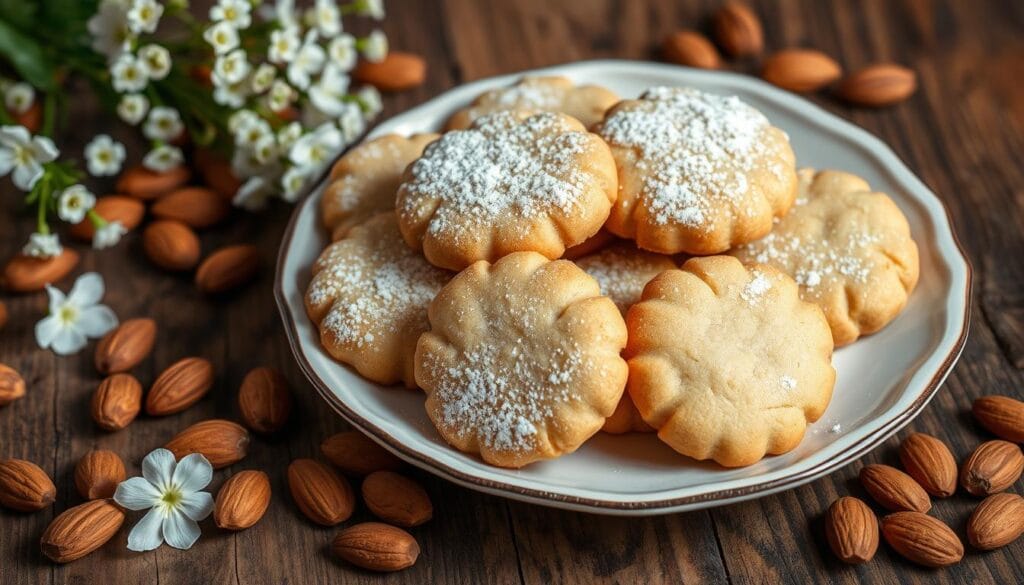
586	103
698	173
508	184
726	360
848	248
521	362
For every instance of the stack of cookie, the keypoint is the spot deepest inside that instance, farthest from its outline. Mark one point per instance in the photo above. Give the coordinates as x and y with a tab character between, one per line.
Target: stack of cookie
560	262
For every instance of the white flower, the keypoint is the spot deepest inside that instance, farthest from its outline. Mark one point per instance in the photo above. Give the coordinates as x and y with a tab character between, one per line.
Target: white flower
75	317
281	96
251	132
233	12
245	165
317	148
369	97
372	8
261	79
144	16
328	94
343	52
308	62
128	74
284	45
288	134
25	155
163	158
265	150
351	122
108	235
104	156
232	95
163	124
42	246
222	37
74	202
172	491
133	108
241	118
109	29
284	12
156	60
375	46
18	98
253	194
231	68
327	18
293	182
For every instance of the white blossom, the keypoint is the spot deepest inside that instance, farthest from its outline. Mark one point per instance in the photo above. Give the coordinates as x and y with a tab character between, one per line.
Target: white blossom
328	94
42	246
76	317
19	97
261	79
164	124
252	131
156	60
128	74
231	68
326	18
133	108
342	51
308	62
293	182
109	29
284	45
281	96
144	16
108	235
288	134
317	148
253	194
24	155
241	118
233	12
232	95
222	37
104	156
163	158
375	46
265	150
351	122
372	8
369	97
74	202
284	12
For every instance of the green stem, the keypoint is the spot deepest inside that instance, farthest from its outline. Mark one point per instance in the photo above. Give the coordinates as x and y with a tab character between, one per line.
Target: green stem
44	195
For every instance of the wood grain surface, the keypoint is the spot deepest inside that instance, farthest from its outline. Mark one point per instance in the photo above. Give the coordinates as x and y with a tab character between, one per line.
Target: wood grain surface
962	133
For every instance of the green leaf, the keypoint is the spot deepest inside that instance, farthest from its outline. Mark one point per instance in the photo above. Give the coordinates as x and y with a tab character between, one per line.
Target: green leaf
27	57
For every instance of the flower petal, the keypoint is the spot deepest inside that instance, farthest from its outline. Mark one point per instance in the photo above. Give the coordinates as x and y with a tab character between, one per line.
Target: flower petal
68	341
88	290
56	298
180	531
193	473
26	175
158	468
47	330
136	493
148	533
96	320
196	505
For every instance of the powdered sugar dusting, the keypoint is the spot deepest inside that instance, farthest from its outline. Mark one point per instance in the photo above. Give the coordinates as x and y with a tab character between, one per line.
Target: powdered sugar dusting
622	273
349	191
787	382
756	288
812	263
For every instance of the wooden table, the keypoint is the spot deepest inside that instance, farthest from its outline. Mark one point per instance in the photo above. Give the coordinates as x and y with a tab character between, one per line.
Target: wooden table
963	133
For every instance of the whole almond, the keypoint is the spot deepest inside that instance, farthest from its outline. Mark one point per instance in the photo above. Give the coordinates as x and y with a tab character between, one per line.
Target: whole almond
692	49
893	489
264	400
171	245
127	210
97	474
80	530
227	268
878	85
929	461
376	546
27	274
397	72
126	346
356	454
852	530
142	183
320	493
738	30
922	539
24	486
800	70
993	467
221	441
1002	415
3	314
216	172
12	386
180	386
116	402
996	522
242	500
396	499
196	207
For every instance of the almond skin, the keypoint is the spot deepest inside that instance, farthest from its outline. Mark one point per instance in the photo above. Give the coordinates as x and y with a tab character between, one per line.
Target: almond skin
397	72
97	474
396	499
217	173
852	530
377	547
692	49
221	441
127	210
196	207
227	268
142	183
264	400
996	522
801	70
24	486
126	346
27	274
356	454
3	314
171	245
321	494
12	386
80	530
993	467
181	385
116	402
931	464
242	500
738	30
893	489
922	539
1001	415
878	85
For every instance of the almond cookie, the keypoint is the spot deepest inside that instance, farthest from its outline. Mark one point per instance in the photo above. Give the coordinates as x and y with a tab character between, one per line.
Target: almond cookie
511	183
848	248
521	362
363	183
586	103
698	173
726	360
369	297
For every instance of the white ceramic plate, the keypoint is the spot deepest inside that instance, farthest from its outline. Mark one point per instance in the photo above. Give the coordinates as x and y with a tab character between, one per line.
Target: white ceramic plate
883	380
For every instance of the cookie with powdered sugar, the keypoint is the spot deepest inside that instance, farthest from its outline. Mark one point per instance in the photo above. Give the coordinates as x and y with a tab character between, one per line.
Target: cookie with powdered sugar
522	361
726	360
698	173
369	297
586	103
511	183
363	183
848	247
